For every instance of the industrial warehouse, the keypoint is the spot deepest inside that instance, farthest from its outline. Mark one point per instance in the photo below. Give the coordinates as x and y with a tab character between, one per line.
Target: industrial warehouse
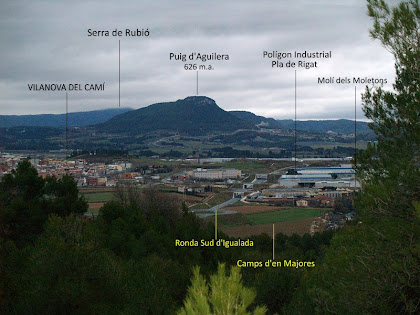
342	176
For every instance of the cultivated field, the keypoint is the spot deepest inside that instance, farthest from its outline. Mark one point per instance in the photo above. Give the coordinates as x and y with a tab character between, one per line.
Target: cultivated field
98	196
249	209
256	219
290	214
290	227
94	207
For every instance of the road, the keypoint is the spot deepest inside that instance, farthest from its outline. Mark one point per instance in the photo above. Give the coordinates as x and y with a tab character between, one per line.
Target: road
277	172
202	213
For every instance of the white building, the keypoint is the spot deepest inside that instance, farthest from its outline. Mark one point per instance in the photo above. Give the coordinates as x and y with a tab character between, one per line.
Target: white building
215	174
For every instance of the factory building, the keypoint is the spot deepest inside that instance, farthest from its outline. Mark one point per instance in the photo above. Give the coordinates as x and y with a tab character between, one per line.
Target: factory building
342	176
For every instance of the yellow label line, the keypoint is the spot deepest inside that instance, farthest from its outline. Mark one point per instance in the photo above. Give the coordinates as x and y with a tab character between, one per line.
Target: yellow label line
273	241
215	224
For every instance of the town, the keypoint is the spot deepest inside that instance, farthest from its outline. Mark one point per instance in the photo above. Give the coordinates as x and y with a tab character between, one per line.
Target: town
305	199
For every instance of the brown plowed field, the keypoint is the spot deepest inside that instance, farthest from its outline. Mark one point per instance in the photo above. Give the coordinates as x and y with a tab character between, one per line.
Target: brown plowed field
254	209
95	205
299	227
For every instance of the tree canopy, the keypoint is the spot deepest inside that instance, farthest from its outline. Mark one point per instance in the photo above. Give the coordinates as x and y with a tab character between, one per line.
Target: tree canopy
392	166
26	200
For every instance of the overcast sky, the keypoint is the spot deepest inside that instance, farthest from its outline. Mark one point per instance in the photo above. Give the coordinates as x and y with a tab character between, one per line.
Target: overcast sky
47	42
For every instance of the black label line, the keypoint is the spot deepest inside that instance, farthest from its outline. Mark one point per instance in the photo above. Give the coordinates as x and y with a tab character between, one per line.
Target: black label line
67	125
119	73
295	123
355	136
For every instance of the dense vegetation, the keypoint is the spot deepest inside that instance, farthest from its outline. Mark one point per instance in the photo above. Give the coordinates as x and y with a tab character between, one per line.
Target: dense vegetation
373	267
56	261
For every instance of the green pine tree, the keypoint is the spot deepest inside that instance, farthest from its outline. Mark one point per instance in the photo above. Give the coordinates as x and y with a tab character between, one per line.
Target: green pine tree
390	169
373	267
224	295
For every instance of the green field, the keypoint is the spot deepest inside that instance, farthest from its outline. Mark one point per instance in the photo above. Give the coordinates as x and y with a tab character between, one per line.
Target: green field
328	145
200	206
219	198
292	214
98	197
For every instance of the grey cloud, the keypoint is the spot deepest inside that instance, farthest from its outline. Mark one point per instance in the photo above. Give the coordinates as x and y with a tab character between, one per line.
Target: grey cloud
46	42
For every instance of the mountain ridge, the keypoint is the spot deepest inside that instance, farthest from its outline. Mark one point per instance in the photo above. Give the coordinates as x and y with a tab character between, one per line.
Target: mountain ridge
194	114
339	126
75	119
198	114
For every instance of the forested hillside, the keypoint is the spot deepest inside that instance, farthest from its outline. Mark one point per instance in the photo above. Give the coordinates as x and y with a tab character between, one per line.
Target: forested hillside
192	115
